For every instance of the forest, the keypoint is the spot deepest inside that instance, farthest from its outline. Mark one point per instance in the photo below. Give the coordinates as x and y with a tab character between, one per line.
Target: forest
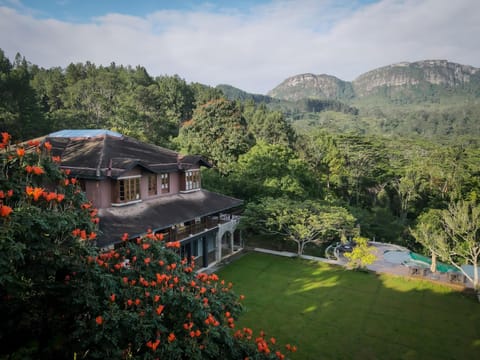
385	182
370	183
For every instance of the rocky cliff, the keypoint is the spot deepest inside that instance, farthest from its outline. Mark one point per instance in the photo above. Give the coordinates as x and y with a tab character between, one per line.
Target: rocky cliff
420	76
312	86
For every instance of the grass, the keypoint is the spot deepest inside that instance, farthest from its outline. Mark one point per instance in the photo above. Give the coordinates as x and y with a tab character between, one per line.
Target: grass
331	313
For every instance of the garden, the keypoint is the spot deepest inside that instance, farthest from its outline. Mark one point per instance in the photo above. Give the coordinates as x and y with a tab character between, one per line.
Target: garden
332	313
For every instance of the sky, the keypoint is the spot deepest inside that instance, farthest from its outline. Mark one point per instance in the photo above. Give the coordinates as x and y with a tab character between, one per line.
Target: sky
253	44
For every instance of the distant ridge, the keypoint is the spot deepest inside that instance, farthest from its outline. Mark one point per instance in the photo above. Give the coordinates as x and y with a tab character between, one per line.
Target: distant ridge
414	81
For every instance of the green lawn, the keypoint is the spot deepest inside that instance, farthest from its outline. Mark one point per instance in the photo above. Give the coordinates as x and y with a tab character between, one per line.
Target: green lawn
331	313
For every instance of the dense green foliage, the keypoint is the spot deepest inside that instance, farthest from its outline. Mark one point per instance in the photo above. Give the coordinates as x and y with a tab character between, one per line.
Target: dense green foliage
347	156
334	314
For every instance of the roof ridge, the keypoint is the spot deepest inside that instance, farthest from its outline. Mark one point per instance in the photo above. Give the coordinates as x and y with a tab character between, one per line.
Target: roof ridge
101	157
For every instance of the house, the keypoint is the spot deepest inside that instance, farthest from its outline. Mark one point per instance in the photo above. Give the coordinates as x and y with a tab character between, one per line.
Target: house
137	186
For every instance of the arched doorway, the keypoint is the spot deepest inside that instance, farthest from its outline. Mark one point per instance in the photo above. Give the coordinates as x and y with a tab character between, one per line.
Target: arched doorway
227	244
237	240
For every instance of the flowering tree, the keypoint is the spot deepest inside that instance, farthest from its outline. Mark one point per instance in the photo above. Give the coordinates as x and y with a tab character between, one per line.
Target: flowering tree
150	304
61	298
39	208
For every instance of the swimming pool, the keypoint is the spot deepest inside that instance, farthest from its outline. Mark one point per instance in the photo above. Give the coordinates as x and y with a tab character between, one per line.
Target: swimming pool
411	259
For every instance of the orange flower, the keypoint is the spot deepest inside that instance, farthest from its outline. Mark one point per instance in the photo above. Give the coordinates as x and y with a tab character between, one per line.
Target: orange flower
99	320
60	197
34	192
5	138
37	170
33	143
56	159
34	169
112	298
173	244
5	210
153	345
49	196
48	146
21	152
159	309
156	298
171	337
146	260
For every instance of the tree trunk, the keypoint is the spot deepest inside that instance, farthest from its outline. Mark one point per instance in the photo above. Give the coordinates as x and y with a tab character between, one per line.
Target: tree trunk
475	279
300	248
433	267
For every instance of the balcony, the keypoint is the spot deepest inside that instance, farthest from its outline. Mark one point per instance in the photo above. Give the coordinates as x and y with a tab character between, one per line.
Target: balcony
207	223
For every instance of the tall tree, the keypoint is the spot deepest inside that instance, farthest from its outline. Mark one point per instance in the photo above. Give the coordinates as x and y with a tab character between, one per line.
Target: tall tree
20	113
302	222
217	131
429	232
270	127
462	226
271	170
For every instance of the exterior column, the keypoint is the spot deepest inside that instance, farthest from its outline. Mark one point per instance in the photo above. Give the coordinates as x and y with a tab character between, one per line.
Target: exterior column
218	251
205	251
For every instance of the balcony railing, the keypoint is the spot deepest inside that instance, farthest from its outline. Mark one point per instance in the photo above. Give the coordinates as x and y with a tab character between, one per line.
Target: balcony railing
193	229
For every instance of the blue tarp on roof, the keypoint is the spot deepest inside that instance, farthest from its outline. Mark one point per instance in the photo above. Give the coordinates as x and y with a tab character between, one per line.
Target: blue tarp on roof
84	133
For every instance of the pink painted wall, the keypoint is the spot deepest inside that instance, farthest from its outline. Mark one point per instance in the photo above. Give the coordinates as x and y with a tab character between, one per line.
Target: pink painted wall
100	192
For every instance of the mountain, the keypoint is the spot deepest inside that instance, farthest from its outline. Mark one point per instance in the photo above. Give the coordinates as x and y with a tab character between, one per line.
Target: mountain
313	86
401	83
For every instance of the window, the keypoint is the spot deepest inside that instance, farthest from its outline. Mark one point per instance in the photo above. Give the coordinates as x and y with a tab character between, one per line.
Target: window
152	184
128	189
192	179
165	185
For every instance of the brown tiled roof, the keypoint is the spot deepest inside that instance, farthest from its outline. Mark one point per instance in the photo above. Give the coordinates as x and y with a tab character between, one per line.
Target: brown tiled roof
105	155
159	213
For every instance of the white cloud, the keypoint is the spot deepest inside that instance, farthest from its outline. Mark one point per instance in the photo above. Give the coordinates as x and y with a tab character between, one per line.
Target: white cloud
256	50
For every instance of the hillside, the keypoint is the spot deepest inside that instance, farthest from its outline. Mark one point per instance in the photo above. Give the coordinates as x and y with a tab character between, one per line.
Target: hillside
433	99
430	81
313	86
